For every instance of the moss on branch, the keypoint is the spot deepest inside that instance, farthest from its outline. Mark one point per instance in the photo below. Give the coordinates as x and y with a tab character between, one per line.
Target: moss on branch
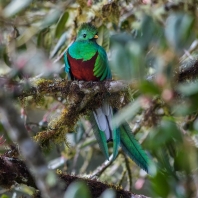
80	99
14	170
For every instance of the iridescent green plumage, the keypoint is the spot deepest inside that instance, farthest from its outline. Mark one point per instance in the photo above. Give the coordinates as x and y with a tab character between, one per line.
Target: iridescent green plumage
85	48
130	146
86	60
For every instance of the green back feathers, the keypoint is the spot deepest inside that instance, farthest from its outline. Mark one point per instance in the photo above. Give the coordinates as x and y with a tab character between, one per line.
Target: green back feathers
85	47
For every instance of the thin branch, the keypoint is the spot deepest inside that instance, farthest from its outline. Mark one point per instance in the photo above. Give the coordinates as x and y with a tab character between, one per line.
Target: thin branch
29	149
129	174
102	168
122	178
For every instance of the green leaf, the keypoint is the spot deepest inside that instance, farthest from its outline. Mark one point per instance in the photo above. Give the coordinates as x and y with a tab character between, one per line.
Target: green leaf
195	124
126	113
149	88
188	89
4	55
121	62
77	189
51	178
164	133
160	185
27	35
184	109
170	130
51	18
109	193
181	161
127	60
178	30
4	196
164	161
59	44
15	6
103	37
61	25
41	37
146	31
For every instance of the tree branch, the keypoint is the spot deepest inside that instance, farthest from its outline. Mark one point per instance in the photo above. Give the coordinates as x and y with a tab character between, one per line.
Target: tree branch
29	150
97	187
102	168
14	170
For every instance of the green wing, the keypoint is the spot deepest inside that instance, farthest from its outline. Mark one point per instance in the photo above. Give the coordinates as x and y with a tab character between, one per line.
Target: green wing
130	145
67	66
101	67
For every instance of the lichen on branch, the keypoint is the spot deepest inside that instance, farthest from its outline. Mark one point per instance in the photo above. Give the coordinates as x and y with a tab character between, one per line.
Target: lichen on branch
80	98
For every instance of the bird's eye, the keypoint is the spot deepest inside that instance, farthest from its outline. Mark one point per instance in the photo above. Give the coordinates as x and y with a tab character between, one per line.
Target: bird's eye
84	35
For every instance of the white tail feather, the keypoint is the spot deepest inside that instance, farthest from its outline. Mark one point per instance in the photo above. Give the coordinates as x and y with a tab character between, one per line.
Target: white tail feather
103	117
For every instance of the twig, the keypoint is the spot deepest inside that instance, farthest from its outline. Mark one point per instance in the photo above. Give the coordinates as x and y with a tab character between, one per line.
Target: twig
122	178
102	168
87	161
75	160
137	126
128	171
30	151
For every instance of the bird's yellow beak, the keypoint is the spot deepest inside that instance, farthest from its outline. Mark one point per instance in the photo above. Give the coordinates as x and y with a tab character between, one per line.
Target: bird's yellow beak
96	36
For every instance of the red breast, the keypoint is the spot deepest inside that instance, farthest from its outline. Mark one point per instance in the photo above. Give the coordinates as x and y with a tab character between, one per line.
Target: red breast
83	70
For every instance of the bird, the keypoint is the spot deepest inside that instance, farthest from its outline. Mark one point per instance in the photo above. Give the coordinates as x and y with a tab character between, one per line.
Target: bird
85	60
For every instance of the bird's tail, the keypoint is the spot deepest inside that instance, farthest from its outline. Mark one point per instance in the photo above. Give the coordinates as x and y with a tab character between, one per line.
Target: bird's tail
104	132
131	147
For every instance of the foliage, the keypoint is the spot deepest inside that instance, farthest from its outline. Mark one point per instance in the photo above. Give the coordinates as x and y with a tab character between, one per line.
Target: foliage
150	44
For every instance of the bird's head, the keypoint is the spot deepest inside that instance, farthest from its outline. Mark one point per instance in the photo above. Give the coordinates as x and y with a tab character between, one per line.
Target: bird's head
87	32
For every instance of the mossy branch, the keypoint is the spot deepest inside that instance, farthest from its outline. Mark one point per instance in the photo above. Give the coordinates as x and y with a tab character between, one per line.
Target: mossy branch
79	99
14	170
96	187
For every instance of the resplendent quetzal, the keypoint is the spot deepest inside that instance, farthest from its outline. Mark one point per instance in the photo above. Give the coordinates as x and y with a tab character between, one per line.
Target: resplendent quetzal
86	60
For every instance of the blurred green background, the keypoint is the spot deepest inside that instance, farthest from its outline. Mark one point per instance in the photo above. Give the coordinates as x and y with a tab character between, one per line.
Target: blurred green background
150	43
